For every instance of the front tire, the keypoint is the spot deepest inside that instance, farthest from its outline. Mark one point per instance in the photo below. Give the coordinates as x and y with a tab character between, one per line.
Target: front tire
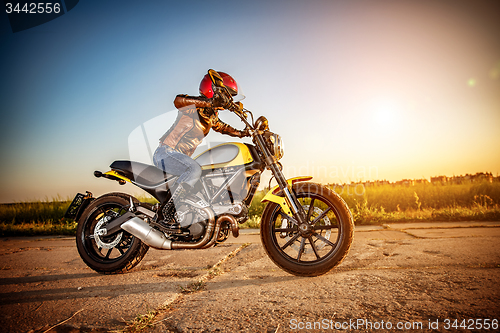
107	254
320	250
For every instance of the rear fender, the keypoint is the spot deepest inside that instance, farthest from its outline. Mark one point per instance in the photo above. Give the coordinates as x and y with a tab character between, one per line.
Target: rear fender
272	196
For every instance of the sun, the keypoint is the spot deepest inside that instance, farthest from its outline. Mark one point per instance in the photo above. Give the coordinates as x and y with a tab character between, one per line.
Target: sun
384	112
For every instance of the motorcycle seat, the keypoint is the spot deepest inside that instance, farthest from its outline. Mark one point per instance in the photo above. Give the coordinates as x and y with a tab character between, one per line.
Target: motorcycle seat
142	174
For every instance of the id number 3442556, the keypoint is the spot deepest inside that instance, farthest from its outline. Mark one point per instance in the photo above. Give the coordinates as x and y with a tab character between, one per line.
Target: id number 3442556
33	8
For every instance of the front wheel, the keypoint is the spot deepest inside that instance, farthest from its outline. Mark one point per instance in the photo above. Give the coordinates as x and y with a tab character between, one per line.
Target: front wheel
315	251
107	254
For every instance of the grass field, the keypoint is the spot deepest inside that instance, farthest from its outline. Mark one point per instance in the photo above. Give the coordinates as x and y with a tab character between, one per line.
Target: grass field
388	203
422	202
369	205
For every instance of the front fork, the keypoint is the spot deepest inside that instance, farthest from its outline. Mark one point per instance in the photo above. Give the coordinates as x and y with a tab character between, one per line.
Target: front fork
289	202
296	208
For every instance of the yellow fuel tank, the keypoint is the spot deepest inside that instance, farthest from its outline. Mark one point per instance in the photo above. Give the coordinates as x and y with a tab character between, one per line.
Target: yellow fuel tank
225	155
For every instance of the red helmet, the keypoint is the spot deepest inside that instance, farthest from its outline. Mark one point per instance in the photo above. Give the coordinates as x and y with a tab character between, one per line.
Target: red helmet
206	85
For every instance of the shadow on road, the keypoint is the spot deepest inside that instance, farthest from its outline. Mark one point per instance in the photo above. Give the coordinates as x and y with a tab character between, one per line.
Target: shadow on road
44	278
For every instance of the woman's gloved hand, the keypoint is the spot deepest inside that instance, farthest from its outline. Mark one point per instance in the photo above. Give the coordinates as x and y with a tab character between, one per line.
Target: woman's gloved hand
244	133
221	100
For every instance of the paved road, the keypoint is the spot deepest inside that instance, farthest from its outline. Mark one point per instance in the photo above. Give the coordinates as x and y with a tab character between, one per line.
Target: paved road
411	275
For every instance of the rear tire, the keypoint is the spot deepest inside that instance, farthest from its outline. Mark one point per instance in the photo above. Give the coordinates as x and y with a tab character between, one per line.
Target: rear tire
108	254
323	249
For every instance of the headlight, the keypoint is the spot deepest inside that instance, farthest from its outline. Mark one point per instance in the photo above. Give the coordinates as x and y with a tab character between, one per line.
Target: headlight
278	148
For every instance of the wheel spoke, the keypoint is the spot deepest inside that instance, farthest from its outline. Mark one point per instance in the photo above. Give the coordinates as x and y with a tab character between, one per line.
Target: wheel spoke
316	220
283	215
315	250
301	249
310	211
324	240
288	217
325	227
122	245
290	241
107	254
285	230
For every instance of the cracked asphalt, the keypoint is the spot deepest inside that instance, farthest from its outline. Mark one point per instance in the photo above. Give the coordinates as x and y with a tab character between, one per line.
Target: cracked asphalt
416	276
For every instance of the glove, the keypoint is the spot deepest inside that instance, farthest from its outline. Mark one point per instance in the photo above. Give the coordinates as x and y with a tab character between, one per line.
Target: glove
244	133
220	100
236	107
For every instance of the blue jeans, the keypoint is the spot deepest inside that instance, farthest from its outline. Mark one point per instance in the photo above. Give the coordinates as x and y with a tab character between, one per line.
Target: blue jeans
178	164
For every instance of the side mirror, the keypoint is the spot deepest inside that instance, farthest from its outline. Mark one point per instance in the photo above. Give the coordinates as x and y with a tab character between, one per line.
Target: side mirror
216	78
261	124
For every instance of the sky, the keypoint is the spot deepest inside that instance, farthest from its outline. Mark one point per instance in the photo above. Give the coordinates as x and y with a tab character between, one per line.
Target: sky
359	90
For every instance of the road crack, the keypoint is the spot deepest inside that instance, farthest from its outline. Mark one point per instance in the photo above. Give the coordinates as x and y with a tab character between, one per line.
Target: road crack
154	317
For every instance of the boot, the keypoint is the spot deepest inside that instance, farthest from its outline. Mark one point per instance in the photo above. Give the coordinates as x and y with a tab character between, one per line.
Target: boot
169	208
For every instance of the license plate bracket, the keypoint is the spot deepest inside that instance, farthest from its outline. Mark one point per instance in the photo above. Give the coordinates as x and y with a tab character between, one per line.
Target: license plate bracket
79	203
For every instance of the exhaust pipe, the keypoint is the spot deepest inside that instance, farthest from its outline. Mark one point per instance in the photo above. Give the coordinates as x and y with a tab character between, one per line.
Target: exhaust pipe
232	222
224	218
156	239
234	227
147	234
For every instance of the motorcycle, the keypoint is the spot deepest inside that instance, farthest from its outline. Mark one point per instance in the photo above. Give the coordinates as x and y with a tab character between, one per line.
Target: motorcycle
306	228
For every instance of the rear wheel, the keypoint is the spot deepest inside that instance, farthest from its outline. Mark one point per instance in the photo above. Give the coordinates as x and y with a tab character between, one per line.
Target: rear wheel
107	254
314	250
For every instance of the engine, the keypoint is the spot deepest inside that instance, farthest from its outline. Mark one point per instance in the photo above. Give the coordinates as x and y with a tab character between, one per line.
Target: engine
192	218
